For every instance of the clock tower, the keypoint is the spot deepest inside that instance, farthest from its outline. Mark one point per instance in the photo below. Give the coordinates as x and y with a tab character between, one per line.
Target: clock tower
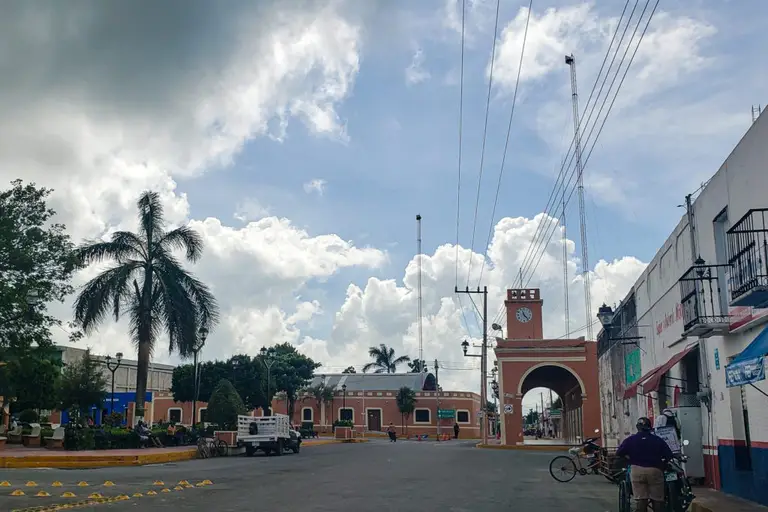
524	307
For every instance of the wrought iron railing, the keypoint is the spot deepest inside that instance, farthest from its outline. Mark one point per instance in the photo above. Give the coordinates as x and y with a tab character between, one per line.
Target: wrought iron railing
748	253
700	296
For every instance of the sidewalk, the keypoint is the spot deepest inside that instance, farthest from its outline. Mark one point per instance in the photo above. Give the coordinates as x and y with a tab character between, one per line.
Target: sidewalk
709	500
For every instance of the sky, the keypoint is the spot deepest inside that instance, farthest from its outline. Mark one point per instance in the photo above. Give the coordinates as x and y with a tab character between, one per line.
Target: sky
302	137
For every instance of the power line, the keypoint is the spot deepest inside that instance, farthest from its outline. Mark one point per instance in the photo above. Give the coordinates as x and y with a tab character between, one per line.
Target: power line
506	142
485	138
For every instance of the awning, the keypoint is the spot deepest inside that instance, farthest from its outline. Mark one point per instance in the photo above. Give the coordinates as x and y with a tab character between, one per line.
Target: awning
653	383
651	380
749	365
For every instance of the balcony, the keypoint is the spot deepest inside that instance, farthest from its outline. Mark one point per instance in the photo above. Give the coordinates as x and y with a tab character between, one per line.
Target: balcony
748	257
700	292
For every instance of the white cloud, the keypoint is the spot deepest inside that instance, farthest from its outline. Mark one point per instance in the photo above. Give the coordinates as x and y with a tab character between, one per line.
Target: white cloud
415	72
251	209
316	186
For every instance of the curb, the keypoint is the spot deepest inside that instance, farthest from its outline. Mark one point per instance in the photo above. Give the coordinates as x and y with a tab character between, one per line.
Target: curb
95	461
522	447
696	506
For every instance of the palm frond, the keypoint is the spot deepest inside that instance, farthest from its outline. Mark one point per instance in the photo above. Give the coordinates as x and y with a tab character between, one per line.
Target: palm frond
97	251
368	366
401	360
94	300
151	220
206	305
131	240
178	311
184	238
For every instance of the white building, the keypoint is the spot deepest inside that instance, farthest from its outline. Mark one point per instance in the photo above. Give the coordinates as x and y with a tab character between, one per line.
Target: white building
701	301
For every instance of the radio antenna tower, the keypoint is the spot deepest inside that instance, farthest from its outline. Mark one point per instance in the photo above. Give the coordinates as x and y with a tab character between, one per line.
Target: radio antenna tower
418	255
570	60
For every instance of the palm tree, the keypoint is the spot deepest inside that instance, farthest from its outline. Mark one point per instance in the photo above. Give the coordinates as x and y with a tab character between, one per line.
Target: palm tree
384	359
322	394
406	403
148	283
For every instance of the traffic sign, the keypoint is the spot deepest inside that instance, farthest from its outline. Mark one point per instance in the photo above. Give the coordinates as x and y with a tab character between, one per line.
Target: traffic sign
446	414
508	409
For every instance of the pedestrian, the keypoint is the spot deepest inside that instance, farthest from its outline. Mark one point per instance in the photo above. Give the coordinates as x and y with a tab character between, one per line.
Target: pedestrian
392	433
456	430
648	456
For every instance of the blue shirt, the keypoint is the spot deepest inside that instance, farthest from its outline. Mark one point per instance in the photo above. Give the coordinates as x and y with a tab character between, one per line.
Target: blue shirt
645	450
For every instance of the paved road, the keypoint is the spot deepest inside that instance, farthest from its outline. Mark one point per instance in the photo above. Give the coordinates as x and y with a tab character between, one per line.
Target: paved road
376	476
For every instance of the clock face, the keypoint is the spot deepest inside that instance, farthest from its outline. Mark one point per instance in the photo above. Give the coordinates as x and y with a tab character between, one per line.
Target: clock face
523	315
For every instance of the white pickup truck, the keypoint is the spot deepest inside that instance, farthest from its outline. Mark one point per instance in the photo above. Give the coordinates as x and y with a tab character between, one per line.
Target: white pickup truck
268	434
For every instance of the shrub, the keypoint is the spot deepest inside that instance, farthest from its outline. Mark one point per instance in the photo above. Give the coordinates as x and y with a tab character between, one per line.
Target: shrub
78	438
225	405
28	416
342	423
114	419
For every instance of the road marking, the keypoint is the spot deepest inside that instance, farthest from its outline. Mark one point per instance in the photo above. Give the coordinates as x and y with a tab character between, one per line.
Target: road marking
5	483
31	484
56	484
82	484
109	483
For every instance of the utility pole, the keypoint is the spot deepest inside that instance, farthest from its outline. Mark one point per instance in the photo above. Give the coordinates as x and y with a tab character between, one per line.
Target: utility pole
570	60
419	305
483	360
437	389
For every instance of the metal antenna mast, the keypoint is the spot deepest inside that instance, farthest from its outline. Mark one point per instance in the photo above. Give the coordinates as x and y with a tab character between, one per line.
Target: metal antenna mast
756	111
571	61
418	255
565	274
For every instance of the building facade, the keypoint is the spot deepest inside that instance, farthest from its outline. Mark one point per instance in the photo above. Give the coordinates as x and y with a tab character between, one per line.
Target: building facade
369	401
680	336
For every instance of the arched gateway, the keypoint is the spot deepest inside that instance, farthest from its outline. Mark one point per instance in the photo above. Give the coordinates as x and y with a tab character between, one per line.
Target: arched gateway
527	361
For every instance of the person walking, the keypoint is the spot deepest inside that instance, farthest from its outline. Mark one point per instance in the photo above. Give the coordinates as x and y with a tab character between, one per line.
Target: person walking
392	433
456	430
648	455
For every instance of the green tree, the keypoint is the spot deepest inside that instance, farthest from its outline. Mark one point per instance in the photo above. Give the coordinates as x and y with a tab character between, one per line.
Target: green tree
418	366
350	369
82	385
532	417
490	407
35	258
291	371
149	284
224	406
322	394
33	379
384	359
406	403
558	403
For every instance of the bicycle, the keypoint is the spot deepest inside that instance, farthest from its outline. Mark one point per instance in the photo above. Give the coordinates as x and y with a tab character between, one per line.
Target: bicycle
203	450
218	448
567	466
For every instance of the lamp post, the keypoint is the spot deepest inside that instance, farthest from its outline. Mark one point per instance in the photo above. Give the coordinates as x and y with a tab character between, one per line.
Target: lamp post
268	359
202	335
606	314
344	397
483	386
113	368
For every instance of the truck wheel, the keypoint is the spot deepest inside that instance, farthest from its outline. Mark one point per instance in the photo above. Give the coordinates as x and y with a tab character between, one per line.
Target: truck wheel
280	447
250	451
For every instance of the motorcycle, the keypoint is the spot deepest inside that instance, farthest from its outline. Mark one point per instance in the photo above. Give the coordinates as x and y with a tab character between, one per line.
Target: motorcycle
678	495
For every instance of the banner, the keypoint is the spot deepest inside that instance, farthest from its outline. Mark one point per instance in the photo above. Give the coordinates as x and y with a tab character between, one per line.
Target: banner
745	372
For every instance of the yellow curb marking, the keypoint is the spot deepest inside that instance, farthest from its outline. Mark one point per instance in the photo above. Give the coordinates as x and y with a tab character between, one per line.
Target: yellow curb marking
109	483
68	494
158	482
166	490
5	483
151	493
56	484
82	484
95	495
17	492
42	494
31	484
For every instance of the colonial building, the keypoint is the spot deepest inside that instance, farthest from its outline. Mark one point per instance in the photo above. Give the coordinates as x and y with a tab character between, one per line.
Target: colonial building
369	401
690	333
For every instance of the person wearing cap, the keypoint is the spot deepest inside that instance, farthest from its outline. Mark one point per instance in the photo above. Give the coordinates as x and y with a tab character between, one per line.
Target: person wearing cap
648	455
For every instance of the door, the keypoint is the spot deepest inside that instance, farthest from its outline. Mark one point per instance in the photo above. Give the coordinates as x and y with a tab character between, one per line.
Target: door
374	420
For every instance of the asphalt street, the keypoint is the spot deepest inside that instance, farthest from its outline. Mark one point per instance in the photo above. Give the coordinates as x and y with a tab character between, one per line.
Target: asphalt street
380	476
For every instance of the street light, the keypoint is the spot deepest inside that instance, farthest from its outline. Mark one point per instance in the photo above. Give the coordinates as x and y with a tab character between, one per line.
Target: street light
268	359
606	315
197	347
113	368
464	346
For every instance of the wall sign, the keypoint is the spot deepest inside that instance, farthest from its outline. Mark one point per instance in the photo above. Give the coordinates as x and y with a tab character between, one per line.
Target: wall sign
632	367
717	359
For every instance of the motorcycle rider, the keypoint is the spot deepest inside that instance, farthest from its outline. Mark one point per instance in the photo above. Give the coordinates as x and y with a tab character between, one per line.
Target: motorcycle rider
648	455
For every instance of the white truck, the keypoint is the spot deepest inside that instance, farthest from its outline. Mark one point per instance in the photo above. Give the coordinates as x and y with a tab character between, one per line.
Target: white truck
270	434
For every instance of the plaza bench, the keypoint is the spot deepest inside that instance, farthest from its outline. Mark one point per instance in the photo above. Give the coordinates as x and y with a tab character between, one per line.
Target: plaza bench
56	441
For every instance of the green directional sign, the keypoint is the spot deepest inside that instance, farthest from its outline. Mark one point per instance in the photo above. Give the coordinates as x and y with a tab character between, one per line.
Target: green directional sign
446	414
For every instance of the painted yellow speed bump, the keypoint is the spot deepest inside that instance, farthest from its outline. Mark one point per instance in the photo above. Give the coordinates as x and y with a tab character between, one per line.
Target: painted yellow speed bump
183	482
166	490
122	497
68	494
109	483
178	488
158	482
17	492
5	483
31	484
151	493
56	484
95	495
138	495
82	484
207	482
42	494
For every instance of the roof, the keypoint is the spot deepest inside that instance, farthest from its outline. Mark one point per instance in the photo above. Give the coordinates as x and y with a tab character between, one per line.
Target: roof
376	381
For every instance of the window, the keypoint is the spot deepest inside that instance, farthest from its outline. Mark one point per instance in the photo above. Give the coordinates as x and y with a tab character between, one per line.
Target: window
346	414
421	416
462	416
203	414
306	414
174	415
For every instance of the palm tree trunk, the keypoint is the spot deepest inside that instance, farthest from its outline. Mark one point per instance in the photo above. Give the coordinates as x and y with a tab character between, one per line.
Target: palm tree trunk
142	371
145	343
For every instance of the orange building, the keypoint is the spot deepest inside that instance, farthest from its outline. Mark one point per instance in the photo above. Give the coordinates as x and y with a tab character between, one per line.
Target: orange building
526	360
369	401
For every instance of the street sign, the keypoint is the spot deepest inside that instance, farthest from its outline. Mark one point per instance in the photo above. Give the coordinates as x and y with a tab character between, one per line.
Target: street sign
446	414
480	414
508	409
555	413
